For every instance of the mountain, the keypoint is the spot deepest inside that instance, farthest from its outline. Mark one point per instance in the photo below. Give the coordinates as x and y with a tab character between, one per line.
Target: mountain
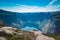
56	17
47	22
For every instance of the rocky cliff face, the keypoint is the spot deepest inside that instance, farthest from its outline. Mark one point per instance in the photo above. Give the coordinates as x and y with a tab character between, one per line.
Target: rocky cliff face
56	16
49	27
52	26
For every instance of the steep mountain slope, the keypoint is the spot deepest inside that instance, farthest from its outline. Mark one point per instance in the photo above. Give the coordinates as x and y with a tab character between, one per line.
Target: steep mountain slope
44	21
56	17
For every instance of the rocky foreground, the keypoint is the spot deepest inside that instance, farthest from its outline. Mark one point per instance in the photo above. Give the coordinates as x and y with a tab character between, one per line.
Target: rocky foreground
10	33
40	36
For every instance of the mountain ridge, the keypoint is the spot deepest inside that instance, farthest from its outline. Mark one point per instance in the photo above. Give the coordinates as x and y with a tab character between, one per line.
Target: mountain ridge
21	20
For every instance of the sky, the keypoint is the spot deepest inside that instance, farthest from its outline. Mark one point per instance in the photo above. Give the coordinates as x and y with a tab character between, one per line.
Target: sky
30	5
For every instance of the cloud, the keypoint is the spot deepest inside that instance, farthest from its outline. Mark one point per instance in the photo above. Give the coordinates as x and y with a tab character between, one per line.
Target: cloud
52	2
52	6
25	8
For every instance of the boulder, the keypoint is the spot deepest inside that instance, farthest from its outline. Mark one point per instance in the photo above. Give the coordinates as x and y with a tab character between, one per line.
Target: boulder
8	30
2	38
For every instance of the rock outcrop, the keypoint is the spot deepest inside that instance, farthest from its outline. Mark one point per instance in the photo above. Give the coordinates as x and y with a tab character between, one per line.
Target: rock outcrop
40	36
8	30
2	38
11	33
